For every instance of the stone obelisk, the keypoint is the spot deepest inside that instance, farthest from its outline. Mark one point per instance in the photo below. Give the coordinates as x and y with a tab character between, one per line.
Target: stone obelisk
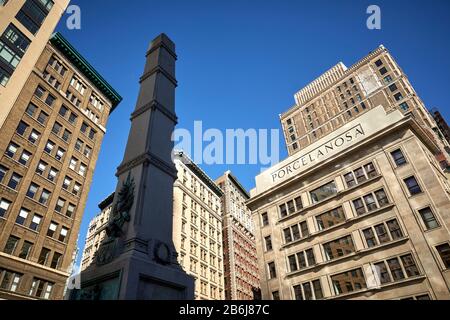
138	259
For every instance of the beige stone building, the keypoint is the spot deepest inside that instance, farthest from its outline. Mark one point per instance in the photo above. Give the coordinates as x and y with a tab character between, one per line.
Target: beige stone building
197	228
50	143
360	209
239	247
25	27
96	232
341	94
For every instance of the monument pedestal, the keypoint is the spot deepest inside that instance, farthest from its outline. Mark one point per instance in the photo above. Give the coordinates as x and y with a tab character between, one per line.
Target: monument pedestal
138	259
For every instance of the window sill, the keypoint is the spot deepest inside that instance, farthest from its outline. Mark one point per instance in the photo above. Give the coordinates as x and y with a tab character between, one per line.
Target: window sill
31	144
15	162
377	288
37	202
4	187
345	224
337	195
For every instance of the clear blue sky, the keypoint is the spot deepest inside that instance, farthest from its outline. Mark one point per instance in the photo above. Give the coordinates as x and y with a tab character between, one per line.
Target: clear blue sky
240	62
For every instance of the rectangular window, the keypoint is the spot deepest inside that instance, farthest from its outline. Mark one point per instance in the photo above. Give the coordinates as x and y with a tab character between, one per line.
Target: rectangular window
359	206
369	200
22	217
76	189
31	109
33	14
56	128
381	198
369	235
12	149
73	118
52	229
87	151
350	179
50	100
24	158
66	135
394	229
318	293
360	175
396	269
49	147
296	232
40	169
52	174
60	154
330	218
339	248
410	265
444	253
32	190
268	242
21	128
265	219
43	257
4	206
26	250
276	295
292	260
82	170
283	211
348	282
323	192
44	197
298	203
398	96
398	157
4	76
73	163
11	245
298	294
60	205
34	136
14	181
56	260
412	185
382	233
63	111
9	280
382	272
3	171
34	225
428	218
272	270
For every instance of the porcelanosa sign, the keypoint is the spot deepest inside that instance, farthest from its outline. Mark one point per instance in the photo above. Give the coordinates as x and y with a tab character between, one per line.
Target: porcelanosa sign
319	153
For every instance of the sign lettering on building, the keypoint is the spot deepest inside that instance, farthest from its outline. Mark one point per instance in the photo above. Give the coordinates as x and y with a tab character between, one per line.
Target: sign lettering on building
321	152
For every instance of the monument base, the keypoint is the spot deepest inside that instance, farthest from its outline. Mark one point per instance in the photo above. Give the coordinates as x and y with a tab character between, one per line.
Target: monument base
135	277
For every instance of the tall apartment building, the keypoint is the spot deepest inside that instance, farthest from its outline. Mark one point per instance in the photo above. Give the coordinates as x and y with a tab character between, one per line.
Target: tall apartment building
25	27
341	94
197	229
239	247
50	143
96	232
359	210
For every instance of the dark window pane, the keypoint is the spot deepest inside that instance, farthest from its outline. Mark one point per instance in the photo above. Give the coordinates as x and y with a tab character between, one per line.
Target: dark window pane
428	218
412	185
444	252
323	192
396	269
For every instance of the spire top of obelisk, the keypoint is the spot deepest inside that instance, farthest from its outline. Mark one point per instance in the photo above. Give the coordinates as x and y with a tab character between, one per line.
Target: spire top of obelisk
162	40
